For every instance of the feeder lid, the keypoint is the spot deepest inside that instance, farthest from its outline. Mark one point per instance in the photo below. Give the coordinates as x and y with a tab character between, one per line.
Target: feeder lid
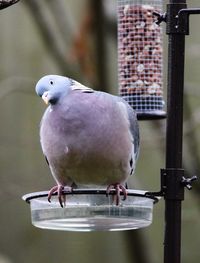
91	210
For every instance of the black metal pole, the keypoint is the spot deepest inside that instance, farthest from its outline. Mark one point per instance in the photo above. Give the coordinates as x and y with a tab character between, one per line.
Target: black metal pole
174	172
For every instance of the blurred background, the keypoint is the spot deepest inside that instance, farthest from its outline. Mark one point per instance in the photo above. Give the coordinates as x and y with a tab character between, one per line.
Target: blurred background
78	38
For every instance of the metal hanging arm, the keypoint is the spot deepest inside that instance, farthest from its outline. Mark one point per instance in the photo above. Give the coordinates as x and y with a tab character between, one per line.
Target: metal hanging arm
183	19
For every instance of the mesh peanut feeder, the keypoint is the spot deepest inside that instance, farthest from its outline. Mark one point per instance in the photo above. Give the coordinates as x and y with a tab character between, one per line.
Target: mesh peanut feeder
140	65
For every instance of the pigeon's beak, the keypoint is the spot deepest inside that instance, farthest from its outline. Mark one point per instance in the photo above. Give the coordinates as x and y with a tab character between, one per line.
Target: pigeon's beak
45	97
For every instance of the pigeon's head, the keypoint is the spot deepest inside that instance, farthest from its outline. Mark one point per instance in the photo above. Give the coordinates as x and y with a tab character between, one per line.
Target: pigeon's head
52	87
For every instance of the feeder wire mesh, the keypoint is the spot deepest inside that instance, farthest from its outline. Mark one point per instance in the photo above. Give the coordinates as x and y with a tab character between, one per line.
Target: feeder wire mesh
140	65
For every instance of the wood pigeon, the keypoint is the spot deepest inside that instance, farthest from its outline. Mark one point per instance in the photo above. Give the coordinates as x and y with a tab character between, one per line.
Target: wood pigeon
89	138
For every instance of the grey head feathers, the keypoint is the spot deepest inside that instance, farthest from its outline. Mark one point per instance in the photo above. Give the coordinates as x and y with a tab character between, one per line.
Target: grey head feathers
52	87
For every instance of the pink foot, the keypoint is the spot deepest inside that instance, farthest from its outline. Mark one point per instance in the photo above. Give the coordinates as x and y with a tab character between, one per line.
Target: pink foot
118	188
61	197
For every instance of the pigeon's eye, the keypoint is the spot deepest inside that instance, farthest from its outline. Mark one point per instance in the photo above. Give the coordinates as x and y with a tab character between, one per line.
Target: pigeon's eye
51	82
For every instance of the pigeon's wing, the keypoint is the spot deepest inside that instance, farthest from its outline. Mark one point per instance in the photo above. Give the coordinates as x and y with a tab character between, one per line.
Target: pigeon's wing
131	116
75	85
134	128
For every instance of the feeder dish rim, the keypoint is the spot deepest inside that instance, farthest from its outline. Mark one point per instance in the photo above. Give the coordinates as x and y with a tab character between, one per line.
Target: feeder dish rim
92	191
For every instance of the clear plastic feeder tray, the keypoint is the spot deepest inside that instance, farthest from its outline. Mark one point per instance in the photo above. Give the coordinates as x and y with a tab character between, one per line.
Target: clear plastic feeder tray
91	210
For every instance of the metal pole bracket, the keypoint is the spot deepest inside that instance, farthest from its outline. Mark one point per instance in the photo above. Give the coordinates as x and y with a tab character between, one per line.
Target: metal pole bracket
173	183
172	186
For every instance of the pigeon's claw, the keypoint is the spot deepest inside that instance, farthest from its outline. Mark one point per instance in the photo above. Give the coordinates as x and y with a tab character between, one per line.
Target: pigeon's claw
118	188
59	190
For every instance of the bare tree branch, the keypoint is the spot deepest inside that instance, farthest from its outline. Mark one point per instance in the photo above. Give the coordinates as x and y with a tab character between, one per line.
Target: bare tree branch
16	84
63	18
7	3
50	37
97	8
